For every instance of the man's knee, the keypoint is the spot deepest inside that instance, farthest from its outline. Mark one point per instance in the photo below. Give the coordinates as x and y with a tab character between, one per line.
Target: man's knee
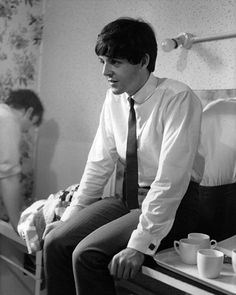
52	242
89	257
81	256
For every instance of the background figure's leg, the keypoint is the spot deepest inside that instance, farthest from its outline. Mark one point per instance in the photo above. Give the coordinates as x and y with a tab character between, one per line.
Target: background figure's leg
92	255
186	218
217	211
60	243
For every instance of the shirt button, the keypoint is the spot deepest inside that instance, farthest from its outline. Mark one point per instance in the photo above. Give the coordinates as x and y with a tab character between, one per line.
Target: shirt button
151	247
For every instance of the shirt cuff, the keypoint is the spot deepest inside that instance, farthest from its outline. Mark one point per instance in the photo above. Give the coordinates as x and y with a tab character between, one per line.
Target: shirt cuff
143	242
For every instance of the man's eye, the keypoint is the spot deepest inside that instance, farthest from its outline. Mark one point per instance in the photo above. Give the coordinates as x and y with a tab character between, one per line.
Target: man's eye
115	62
101	61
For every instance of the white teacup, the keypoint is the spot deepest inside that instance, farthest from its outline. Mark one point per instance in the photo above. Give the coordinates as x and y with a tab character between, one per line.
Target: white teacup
204	239
209	263
187	250
234	259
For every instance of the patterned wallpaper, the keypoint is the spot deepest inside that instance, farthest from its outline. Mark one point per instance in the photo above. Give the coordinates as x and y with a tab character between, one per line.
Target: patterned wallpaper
21	28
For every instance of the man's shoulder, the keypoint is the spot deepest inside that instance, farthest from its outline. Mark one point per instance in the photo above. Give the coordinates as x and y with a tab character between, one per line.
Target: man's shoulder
175	86
177	91
5	111
6	116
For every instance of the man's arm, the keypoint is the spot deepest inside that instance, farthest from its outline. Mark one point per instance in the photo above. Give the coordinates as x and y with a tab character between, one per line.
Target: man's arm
99	166
12	198
182	120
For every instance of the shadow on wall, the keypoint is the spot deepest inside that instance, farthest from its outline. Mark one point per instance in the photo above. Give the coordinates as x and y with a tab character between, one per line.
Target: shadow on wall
207	55
47	140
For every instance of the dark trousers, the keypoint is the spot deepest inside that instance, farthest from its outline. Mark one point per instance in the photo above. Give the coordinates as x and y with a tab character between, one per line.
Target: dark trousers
77	254
217	211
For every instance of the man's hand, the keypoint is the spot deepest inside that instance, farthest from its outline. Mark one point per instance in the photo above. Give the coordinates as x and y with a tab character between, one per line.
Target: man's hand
51	226
126	263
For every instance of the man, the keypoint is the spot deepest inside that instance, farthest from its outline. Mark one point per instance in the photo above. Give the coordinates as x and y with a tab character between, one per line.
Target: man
99	239
21	110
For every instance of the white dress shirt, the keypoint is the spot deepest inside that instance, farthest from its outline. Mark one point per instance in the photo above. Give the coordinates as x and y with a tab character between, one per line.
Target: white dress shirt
168	124
218	142
10	135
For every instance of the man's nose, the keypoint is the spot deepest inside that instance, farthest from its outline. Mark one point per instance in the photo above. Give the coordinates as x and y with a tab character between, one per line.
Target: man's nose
107	70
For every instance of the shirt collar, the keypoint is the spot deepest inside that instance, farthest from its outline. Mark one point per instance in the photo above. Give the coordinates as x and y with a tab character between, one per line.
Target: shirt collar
147	90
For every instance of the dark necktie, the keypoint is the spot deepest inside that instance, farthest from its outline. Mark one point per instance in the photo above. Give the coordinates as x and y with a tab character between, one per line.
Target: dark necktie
131	174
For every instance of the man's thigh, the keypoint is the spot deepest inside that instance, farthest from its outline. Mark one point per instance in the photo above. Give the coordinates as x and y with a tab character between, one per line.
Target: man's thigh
71	232
113	236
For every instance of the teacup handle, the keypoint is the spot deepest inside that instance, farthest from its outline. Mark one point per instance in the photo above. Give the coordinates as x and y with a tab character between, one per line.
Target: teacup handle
213	244
176	246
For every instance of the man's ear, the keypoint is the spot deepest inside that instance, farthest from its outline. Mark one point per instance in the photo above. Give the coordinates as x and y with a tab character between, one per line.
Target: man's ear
145	60
29	112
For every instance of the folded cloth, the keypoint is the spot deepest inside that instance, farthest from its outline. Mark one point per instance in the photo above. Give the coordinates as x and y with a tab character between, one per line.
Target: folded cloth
34	219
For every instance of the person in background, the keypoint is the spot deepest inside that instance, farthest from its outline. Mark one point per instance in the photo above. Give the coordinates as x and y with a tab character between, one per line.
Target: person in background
218	186
21	110
101	239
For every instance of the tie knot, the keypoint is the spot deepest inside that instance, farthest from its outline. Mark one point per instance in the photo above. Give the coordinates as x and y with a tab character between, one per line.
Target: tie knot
131	102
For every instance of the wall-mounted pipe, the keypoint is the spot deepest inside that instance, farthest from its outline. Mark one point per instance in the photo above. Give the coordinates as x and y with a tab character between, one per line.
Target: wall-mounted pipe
186	40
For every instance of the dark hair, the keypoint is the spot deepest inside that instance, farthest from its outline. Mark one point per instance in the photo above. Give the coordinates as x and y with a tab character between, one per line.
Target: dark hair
130	39
25	99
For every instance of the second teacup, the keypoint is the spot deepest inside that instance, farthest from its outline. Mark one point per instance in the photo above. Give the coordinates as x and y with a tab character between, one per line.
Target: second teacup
187	250
204	239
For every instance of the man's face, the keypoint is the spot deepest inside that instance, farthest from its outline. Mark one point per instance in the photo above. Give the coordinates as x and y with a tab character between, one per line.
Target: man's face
121	75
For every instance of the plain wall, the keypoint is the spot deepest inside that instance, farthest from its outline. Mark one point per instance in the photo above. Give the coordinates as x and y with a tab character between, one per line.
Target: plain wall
73	89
